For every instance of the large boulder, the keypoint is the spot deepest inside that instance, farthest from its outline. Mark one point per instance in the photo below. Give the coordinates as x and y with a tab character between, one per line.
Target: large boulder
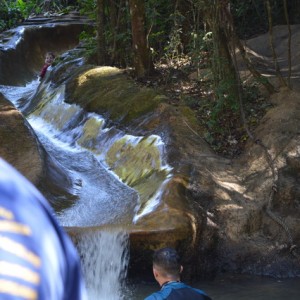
216	211
109	91
19	145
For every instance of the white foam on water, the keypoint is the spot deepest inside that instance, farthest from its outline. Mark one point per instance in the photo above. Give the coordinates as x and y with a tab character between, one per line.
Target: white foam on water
104	256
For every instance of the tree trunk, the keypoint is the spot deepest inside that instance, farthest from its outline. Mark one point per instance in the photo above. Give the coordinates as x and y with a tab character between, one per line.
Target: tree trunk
142	58
277	69
263	80
225	77
289	42
115	19
236	43
100	33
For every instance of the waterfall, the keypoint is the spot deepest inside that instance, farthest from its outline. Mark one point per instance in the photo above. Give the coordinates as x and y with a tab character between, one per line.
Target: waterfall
104	254
104	257
117	177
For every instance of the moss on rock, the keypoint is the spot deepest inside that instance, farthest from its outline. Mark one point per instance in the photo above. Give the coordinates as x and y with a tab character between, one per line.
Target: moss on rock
106	90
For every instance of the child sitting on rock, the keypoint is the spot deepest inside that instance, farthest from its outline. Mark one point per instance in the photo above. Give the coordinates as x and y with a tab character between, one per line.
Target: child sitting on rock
48	62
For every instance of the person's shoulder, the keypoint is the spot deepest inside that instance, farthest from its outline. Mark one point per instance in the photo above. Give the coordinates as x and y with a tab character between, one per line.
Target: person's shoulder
190	289
155	296
200	292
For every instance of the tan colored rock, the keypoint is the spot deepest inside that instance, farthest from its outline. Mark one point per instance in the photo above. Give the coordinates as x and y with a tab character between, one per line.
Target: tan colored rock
108	91
18	144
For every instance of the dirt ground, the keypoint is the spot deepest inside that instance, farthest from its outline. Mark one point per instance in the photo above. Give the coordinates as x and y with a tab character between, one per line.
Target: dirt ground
225	133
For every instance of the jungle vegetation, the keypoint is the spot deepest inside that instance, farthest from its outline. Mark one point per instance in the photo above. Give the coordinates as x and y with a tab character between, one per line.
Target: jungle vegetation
142	35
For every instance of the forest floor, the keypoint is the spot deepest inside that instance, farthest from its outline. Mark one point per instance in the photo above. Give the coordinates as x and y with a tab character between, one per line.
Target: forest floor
223	125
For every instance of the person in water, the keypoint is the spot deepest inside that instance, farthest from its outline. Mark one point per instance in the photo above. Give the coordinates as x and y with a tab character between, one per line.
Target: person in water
166	271
37	258
48	62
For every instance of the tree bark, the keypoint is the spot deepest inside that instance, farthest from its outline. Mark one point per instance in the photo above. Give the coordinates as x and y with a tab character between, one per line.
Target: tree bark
224	73
236	43
263	80
275	60
142	58
115	20
100	33
289	42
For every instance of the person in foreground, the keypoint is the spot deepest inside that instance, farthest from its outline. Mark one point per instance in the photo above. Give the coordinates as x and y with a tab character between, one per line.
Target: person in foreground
166	271
37	258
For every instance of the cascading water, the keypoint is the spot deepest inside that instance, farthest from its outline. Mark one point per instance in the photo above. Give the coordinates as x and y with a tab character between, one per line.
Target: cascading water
105	259
86	149
104	254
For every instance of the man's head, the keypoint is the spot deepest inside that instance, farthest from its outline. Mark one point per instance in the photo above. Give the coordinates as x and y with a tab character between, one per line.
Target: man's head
166	265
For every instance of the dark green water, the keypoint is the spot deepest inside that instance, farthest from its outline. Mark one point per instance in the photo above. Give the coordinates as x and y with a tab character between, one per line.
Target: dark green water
236	287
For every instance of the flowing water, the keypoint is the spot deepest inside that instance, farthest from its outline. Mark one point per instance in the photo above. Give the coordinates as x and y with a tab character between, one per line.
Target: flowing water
104	198
64	130
105	258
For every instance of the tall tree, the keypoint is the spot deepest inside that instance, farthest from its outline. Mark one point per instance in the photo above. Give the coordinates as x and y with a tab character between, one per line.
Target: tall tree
100	33
286	14
225	77
118	21
274	54
142	57
235	43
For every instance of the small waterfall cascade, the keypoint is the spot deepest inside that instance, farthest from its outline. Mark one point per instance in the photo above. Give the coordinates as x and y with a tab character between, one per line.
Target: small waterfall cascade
105	258
119	177
103	197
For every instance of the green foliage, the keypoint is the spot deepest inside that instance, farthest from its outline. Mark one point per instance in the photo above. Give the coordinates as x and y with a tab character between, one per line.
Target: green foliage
225	131
174	47
160	27
2	24
198	48
10	14
88	8
192	102
227	101
222	117
13	12
118	37
123	51
21	5
88	40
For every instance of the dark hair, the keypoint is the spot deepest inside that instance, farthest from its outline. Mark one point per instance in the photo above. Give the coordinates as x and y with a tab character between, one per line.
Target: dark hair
168	261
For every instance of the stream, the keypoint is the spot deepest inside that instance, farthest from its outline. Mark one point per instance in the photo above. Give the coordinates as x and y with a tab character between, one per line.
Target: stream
105	199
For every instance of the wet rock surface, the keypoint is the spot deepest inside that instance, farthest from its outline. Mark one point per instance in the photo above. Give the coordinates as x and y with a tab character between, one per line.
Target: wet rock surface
23	49
19	145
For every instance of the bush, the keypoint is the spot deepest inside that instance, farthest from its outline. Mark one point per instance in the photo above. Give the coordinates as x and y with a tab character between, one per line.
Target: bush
10	16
